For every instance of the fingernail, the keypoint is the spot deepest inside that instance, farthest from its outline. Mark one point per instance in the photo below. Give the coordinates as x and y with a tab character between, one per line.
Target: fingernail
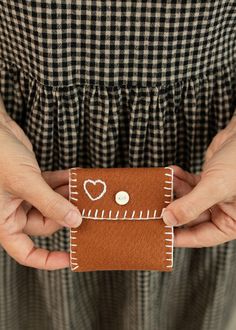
169	218
73	218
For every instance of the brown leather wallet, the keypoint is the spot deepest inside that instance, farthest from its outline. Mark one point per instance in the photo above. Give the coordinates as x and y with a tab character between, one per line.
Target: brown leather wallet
122	226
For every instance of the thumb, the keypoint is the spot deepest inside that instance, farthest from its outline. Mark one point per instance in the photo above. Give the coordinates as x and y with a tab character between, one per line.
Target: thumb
51	204
189	207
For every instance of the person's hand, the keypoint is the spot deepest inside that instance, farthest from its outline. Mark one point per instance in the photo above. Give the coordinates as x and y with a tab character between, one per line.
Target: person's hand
31	202
214	188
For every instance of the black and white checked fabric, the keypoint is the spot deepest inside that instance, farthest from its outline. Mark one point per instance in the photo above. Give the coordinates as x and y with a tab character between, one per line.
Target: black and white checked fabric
119	83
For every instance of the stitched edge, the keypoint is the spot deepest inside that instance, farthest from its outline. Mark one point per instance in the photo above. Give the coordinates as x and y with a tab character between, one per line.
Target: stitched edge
148	217
169	241
73	197
168	193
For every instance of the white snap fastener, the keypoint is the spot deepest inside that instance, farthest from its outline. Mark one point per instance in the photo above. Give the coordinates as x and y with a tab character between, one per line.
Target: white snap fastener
122	197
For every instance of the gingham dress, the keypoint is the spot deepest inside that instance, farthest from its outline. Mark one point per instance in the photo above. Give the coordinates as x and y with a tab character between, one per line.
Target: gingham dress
119	83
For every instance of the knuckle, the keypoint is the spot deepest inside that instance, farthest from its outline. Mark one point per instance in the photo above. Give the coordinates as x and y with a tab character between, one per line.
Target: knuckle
26	261
188	212
7	226
50	206
22	262
228	225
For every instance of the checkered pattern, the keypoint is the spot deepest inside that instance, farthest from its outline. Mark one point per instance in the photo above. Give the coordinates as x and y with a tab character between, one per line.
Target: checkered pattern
109	84
63	43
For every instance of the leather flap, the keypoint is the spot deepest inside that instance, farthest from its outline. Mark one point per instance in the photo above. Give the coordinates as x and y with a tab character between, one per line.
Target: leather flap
121	193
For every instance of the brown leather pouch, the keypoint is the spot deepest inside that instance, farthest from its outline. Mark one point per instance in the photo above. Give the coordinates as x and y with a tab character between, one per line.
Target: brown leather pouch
122	226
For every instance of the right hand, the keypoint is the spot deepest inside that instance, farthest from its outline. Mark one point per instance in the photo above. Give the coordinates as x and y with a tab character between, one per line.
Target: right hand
31	202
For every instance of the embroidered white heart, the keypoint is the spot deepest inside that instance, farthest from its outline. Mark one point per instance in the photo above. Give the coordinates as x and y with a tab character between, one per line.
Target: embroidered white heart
94	183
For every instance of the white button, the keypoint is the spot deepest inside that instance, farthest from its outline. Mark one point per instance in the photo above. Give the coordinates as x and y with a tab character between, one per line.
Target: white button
122	197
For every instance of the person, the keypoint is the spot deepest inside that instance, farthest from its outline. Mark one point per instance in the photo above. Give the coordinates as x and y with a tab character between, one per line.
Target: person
117	84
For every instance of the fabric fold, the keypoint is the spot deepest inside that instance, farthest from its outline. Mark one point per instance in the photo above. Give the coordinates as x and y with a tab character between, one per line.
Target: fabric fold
98	126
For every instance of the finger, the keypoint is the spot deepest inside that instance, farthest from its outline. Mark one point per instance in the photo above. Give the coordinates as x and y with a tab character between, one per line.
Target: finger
201	235
31	256
205	234
203	217
51	204
221	229
56	178
182	188
21	248
186	176
189	207
62	190
228	208
37	225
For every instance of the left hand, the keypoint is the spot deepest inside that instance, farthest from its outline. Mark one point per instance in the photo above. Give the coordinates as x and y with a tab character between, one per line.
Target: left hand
215	188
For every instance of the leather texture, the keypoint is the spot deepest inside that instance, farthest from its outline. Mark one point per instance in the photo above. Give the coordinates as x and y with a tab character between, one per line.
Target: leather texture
132	236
